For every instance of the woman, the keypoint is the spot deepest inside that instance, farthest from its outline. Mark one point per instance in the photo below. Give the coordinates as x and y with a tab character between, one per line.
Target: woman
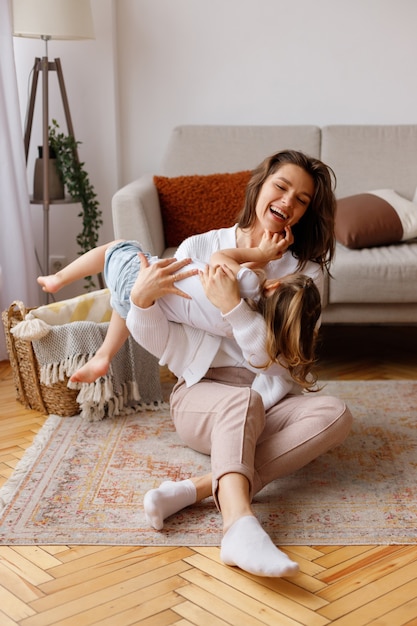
213	406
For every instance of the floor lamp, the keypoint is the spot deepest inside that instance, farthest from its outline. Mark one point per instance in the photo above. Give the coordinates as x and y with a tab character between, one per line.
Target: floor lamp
46	20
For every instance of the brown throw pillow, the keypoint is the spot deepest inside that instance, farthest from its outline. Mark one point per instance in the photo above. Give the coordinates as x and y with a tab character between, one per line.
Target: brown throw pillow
366	220
195	204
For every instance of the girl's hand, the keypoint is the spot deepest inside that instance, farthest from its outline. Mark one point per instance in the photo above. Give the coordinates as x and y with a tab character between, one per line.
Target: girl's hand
221	287
158	279
274	245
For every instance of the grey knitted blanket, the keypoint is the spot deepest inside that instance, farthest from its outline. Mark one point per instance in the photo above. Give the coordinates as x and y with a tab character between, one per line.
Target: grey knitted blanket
132	383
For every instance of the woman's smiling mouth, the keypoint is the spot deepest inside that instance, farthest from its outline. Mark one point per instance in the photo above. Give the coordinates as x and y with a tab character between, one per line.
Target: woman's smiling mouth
278	213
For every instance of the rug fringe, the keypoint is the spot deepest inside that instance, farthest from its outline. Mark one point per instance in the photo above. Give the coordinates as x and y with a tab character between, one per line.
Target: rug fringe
24	465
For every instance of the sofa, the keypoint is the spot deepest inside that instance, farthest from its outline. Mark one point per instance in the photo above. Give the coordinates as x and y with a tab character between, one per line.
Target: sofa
374	273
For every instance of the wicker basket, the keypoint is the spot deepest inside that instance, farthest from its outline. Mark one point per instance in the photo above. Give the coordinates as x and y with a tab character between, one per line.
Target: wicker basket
57	398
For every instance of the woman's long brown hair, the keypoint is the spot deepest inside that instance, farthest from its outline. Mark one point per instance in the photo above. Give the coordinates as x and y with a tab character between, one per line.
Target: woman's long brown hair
314	233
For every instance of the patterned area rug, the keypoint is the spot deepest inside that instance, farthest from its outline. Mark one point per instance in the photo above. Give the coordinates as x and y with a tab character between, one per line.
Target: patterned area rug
83	483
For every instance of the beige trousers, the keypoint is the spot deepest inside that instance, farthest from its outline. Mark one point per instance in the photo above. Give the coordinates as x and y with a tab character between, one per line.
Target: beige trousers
223	417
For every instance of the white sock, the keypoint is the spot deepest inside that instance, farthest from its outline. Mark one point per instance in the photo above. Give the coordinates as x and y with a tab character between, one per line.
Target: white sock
248	546
167	499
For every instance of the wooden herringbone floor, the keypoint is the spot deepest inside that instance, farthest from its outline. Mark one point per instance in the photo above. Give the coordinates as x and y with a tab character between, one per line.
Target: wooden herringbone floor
343	585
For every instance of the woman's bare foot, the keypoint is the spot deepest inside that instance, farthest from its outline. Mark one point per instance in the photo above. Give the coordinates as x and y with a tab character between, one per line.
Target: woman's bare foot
51	283
93	369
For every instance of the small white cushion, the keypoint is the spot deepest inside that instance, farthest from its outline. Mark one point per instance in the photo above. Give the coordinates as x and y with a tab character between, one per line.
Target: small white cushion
94	307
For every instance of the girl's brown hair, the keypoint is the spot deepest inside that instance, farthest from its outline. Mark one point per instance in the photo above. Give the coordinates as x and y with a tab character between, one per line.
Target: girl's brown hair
314	233
291	314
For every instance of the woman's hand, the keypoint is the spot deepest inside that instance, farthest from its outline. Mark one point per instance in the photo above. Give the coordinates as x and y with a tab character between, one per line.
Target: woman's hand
221	287
158	279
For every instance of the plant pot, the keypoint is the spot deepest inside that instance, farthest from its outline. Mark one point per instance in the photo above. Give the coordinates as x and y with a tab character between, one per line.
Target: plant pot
56	186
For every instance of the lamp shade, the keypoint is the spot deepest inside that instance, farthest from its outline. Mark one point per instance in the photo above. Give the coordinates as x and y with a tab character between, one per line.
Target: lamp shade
53	19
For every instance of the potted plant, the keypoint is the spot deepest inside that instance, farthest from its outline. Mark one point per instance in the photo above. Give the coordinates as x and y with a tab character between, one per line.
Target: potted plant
79	187
56	185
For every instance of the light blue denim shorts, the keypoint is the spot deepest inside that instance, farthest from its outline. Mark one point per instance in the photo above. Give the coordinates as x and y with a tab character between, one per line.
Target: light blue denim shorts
121	267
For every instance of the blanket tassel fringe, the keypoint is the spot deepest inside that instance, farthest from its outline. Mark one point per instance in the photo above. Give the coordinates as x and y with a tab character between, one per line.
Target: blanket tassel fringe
98	399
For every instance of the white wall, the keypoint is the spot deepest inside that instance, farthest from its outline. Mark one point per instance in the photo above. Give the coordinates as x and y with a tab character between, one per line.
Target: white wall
260	62
156	64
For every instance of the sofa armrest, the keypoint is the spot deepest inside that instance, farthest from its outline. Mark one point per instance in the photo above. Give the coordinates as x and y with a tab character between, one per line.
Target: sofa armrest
137	214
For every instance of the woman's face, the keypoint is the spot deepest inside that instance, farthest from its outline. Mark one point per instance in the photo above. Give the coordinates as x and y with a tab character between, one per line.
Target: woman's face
284	198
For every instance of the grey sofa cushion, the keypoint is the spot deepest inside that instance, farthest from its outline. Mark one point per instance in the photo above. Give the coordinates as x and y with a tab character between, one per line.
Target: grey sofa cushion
385	274
214	149
372	157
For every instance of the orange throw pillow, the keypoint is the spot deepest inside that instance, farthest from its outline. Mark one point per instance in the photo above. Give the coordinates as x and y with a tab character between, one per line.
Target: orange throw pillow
191	205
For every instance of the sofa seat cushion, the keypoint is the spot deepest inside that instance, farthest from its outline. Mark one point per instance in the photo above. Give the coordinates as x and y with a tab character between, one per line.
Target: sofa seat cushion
385	274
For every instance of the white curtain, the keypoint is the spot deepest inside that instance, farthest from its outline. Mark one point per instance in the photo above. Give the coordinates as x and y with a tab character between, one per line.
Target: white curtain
17	256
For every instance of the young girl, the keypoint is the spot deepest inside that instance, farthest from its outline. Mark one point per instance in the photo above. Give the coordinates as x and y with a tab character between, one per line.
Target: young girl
290	306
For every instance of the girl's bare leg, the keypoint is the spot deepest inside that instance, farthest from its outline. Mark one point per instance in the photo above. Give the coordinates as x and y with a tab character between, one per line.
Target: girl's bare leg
92	262
116	335
88	264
